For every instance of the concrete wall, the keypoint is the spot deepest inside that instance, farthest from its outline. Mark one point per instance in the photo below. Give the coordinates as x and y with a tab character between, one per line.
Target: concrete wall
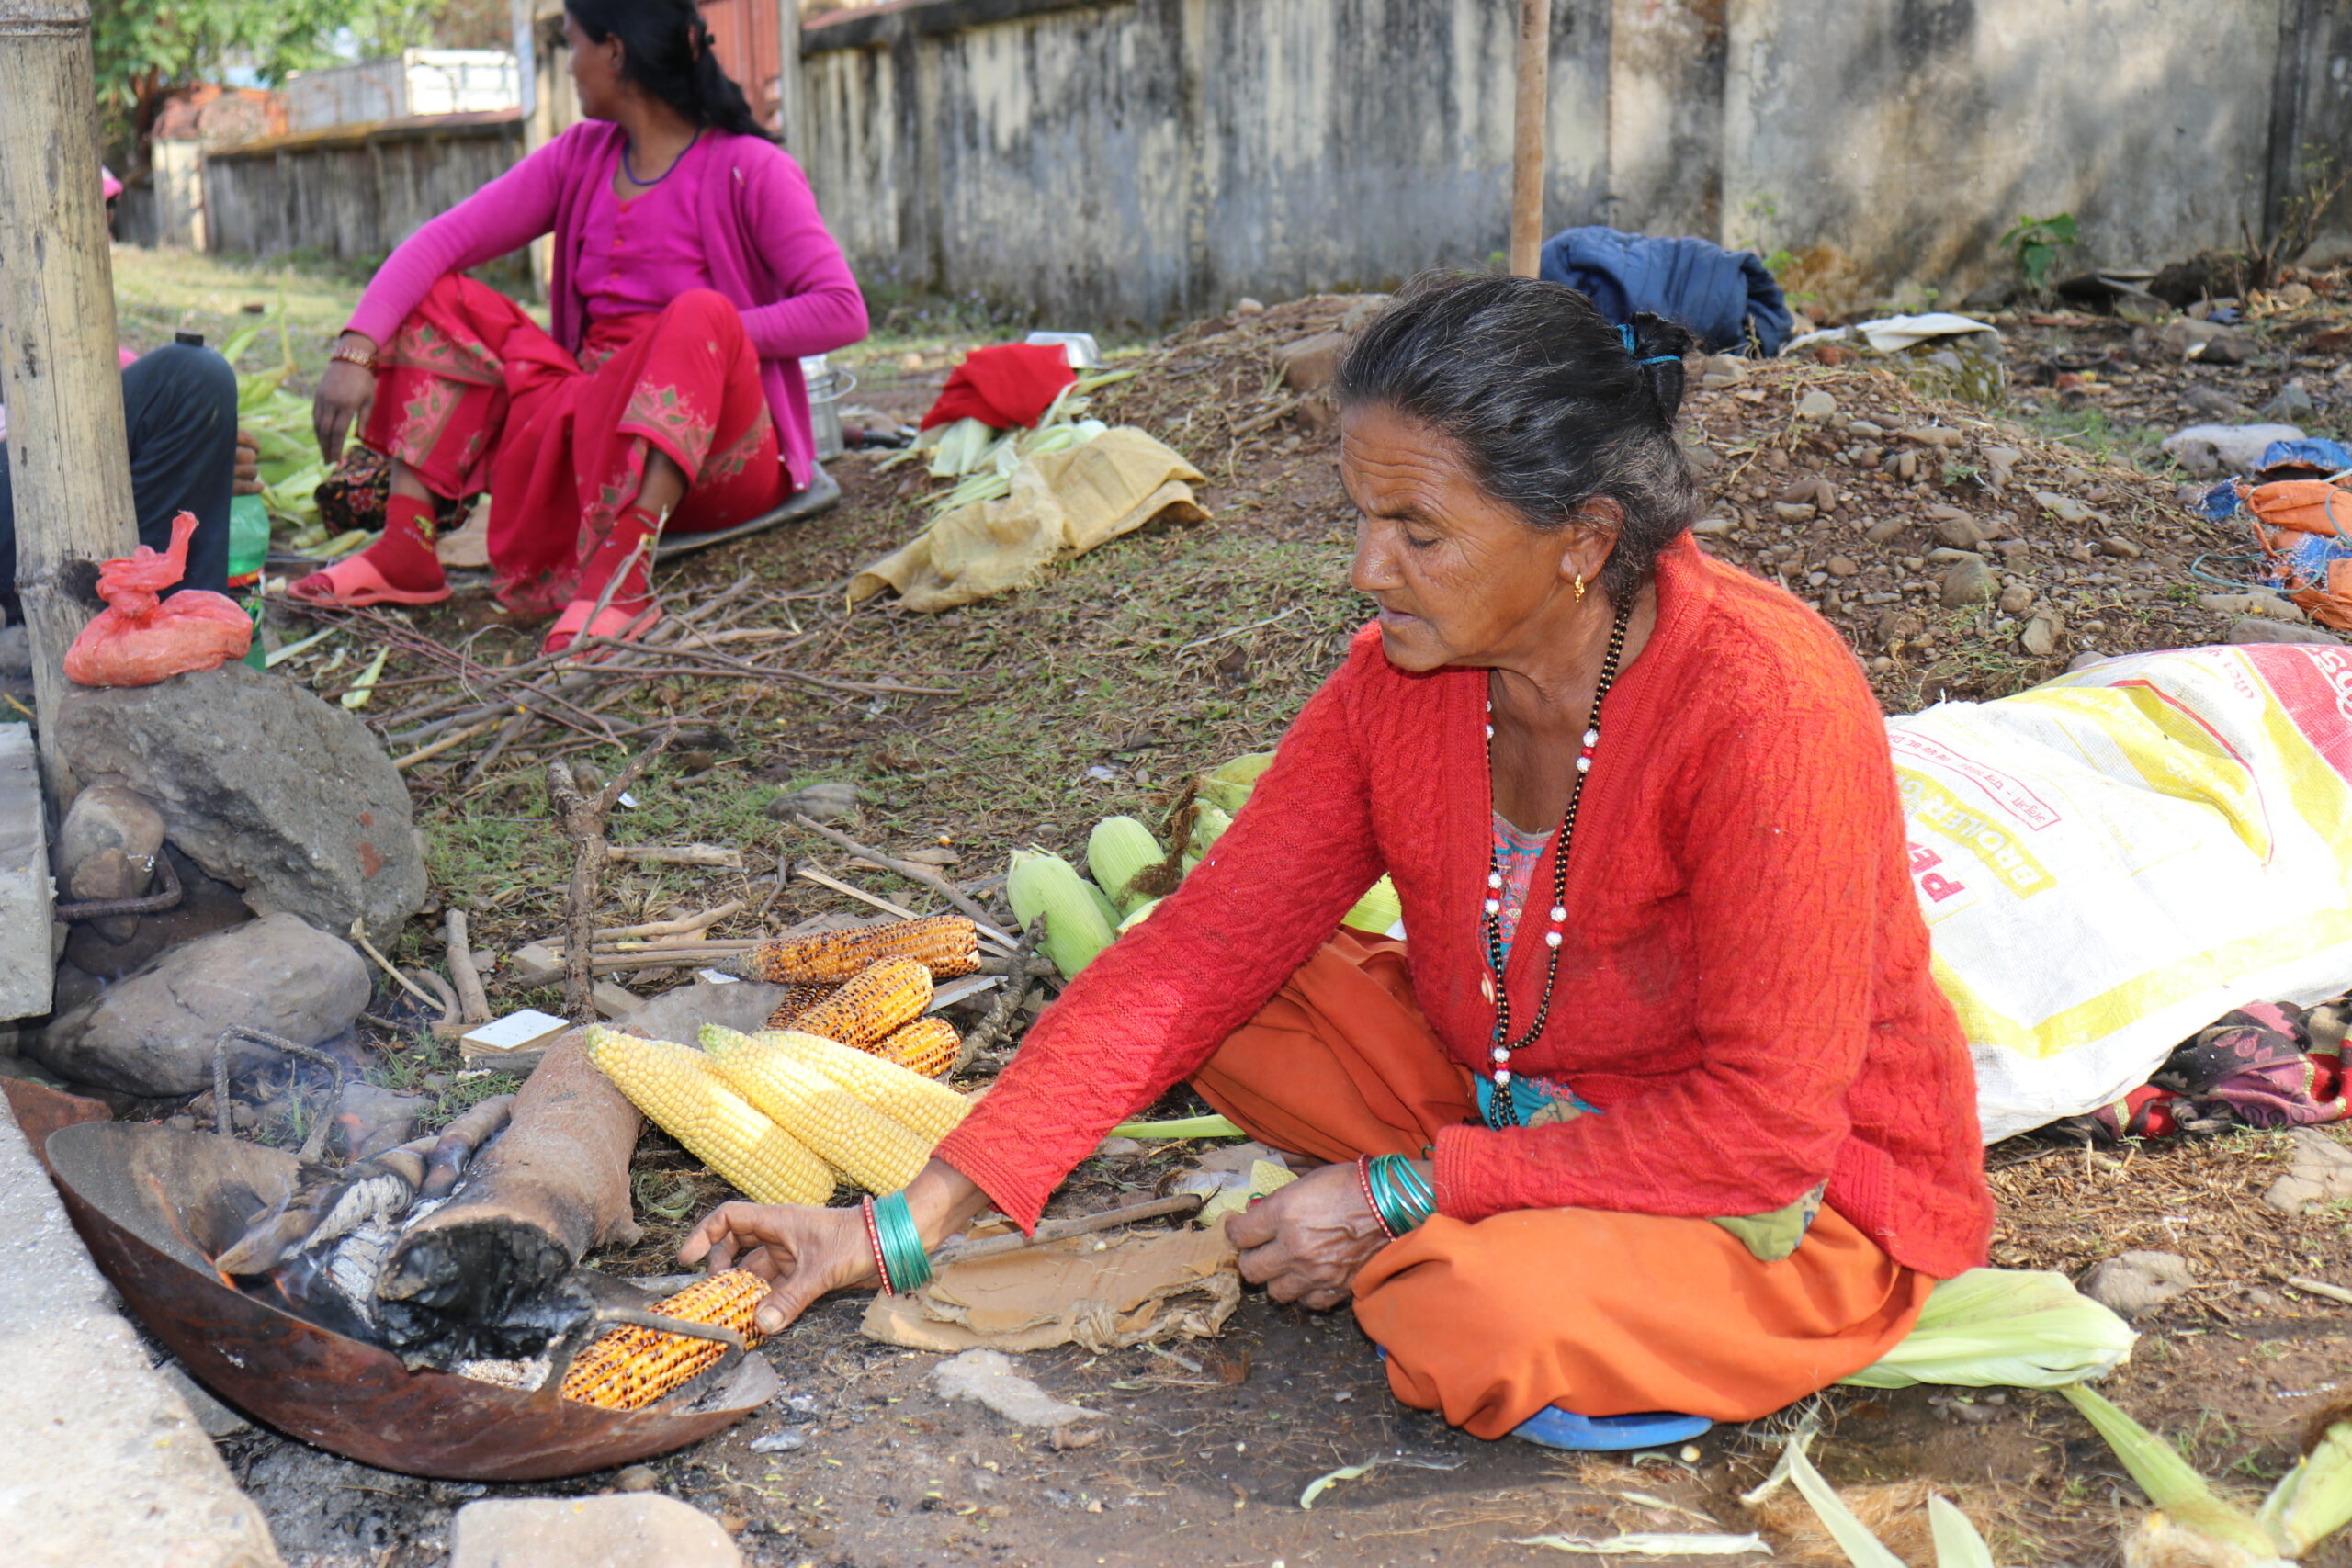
352	194
1138	160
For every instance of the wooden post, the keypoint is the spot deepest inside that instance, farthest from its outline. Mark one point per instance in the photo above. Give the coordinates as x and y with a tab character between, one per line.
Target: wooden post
1527	136
58	377
790	116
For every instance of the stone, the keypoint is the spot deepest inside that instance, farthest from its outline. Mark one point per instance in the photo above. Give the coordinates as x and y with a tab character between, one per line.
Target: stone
2291	404
16	652
1816	404
2002	462
2319	1175
1361	314
102	1462
107	816
1245	305
2119	550
2040	639
2016	599
1311	363
1897	627
27	893
1880	533
2138	1282
2065	508
370	1119
638	1478
2090	658
2214	404
830	802
1969	583
988	1377
153	1034
2225	347
1708	527
1793	511
589	1532
1959	532
2272	606
289	799
1731	368
1842	566
2226	448
2141	309
2252	629
217	1419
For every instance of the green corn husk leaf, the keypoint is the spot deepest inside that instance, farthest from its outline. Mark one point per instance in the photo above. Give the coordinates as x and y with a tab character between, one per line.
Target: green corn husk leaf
962	449
1120	850
1079	923
2171	1483
1228	786
1853	1537
1182	1127
1208	826
2313	1500
356	695
1138	915
1957	1544
1378	911
2005	1328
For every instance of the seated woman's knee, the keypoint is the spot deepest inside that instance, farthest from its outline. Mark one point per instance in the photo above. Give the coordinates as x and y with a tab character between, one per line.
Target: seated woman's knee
706	308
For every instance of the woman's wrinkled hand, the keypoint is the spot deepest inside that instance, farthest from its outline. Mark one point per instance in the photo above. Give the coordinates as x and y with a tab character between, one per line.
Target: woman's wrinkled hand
803	1253
341	405
247	481
1305	1242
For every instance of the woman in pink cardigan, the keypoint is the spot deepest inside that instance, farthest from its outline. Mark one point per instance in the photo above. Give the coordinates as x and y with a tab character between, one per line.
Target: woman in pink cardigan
692	273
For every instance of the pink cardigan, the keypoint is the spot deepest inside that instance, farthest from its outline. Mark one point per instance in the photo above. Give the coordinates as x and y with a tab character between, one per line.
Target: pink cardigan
766	244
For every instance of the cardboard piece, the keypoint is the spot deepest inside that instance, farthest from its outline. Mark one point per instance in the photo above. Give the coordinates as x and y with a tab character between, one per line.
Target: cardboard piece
1098	1293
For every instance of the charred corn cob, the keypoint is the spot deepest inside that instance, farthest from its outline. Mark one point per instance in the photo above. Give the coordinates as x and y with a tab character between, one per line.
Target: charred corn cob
947	945
877	1152
931	1109
681	1091
798	1000
928	1047
870	1006
632	1368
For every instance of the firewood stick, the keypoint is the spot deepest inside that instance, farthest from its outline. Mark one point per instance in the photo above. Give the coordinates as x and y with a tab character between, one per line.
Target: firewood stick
582	816
1057	1230
474	1003
684	925
911	871
1016	991
680	854
450	742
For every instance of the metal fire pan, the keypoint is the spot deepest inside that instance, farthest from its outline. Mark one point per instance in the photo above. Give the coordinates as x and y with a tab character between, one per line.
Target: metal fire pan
147	1198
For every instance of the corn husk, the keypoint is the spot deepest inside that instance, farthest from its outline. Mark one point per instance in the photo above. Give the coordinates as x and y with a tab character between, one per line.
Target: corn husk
1138	915
1228	786
1120	850
1080	922
1957	1544
1378	911
1208	826
2313	1500
2195	1524
2005	1328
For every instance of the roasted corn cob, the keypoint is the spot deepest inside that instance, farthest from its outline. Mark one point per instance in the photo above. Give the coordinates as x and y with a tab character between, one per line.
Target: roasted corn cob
869	1007
947	945
928	1047
632	1368
877	1152
681	1091
798	1000
931	1109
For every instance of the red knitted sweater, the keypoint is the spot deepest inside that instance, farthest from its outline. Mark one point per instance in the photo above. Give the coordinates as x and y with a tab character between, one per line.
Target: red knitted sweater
1744	990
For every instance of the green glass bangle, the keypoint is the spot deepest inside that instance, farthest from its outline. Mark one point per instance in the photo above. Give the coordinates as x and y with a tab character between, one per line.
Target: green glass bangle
903	1249
1400	1192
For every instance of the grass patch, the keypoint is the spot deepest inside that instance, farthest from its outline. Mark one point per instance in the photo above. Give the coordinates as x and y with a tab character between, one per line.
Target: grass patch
2091	432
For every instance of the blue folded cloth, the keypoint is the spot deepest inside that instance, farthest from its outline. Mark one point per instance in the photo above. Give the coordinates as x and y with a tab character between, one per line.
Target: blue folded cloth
1722	296
1553	1427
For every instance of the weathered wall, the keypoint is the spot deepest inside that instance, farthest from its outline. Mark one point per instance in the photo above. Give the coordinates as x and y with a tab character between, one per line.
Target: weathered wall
1105	160
1145	158
352	193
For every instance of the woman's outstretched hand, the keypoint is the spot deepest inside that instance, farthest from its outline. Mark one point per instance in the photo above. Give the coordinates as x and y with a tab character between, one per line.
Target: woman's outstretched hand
1305	1242
340	405
803	1253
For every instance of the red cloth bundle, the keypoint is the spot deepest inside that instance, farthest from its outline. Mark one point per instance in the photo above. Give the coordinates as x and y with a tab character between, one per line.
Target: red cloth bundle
140	637
1012	384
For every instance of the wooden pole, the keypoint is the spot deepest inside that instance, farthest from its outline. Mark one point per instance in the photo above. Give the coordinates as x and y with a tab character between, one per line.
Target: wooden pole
69	459
1527	136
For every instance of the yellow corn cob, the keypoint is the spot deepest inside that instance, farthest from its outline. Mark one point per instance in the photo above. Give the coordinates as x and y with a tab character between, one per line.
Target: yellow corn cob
928	1047
947	945
631	1368
681	1091
870	1006
905	1096
877	1152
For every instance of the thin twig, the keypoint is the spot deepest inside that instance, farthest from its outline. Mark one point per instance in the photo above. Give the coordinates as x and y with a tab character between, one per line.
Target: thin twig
474	1003
582	816
359	940
911	871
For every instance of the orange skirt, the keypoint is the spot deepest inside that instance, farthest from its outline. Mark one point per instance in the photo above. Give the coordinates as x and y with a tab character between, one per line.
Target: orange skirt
1601	1314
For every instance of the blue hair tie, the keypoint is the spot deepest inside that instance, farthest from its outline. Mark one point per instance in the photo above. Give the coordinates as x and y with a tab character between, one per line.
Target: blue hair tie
1627	333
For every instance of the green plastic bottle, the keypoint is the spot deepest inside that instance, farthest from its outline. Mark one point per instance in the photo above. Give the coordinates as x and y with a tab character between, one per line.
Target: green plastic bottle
248	537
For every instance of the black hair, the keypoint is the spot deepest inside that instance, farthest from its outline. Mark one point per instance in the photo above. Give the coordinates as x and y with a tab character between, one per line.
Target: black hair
666	49
1550	404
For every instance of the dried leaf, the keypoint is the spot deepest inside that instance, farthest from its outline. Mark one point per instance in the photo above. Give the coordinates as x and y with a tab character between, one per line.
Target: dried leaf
1652	1545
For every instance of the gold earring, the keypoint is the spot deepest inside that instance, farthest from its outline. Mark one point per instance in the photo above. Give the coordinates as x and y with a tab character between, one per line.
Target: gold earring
1580	588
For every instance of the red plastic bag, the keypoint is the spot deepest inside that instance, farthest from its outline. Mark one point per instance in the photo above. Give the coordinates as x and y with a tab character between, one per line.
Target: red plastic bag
139	638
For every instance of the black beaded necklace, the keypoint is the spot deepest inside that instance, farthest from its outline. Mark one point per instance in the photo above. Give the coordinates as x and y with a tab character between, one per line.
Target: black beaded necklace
1501	1108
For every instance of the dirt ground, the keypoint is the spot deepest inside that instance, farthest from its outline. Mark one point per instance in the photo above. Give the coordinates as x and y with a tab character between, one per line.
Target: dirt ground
1105	685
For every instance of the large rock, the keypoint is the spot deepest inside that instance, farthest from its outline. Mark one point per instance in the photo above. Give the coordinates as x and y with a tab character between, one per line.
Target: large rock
2137	1282
154	1033
26	959
637	1530
207	905
263	786
2318	1178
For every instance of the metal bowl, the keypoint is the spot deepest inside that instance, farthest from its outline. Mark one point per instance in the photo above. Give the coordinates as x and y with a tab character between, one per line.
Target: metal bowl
154	1205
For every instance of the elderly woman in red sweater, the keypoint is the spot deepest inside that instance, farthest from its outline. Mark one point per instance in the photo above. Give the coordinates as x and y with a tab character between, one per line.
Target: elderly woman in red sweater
1657	1116
691	271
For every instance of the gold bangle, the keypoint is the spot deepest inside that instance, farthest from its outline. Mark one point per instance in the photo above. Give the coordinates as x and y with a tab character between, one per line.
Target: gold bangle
351	354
